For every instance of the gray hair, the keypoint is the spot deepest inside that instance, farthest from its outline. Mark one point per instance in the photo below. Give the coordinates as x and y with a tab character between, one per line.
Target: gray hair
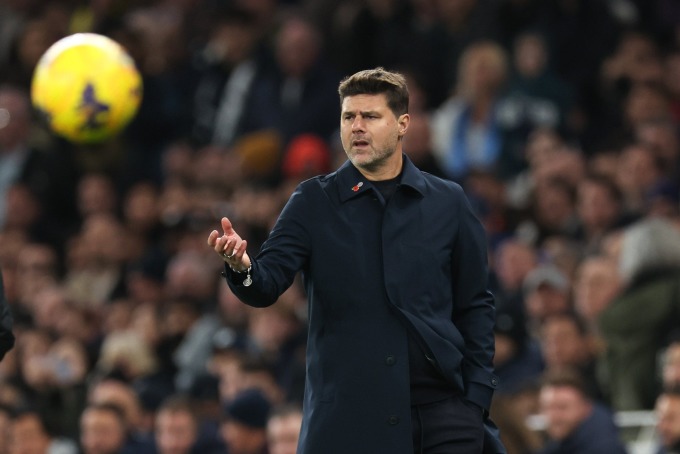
649	244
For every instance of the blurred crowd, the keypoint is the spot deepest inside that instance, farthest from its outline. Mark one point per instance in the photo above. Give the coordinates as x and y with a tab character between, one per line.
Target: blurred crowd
559	118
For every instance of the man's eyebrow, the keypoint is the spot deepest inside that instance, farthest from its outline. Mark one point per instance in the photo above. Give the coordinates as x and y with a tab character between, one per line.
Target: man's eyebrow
363	113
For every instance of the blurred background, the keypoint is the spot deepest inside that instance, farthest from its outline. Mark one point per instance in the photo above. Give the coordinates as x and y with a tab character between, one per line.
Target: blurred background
558	117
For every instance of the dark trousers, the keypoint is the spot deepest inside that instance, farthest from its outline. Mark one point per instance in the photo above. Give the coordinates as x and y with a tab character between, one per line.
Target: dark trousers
449	426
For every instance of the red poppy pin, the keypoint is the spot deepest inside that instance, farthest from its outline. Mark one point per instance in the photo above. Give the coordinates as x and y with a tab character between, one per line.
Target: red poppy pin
356	187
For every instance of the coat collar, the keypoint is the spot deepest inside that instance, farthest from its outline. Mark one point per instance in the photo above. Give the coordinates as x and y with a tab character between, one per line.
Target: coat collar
352	183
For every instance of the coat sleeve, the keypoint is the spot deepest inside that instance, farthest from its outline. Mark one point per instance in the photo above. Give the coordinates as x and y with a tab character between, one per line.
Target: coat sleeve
474	309
6	322
282	255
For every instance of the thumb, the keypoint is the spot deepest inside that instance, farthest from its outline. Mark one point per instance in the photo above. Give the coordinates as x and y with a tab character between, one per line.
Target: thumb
227	227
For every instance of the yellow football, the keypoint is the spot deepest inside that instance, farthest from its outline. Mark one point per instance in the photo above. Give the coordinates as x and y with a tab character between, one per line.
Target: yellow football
87	87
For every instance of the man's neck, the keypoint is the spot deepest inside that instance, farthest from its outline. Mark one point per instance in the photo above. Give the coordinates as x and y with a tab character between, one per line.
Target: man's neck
390	169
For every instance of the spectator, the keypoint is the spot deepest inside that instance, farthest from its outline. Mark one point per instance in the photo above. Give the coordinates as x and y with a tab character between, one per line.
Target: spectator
49	174
102	429
597	284
668	421
535	98
418	144
546	292
466	135
518	361
121	405
176	427
244	424
574	423
636	325
638	171
283	429
299	96
28	434
97	195
670	372
514	260
600	208
566	345
231	67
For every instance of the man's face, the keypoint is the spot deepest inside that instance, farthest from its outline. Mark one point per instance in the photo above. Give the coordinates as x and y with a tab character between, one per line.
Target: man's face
175	432
564	409
563	344
671	366
370	131
101	432
283	433
668	419
27	436
242	439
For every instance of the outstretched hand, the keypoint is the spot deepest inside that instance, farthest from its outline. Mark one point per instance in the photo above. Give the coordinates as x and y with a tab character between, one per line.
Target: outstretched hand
230	246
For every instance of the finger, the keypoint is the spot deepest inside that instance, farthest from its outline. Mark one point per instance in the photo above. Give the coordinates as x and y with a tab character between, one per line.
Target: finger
242	250
212	238
227	227
221	244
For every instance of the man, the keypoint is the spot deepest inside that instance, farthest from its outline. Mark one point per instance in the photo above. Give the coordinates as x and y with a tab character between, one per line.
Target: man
574	423
120	395
670	367
400	341
102	429
668	421
176	426
28	434
243	428
283	429
50	175
566	344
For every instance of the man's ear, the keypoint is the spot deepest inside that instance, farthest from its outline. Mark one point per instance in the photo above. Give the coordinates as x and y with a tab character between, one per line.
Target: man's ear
404	120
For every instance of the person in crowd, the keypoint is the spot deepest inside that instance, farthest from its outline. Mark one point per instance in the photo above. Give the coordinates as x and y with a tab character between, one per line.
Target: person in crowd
535	97
596	284
574	423
667	410
466	135
566	344
232	66
29	434
599	203
637	324
298	96
244	425
518	361
176	426
103	429
547	291
283	429
670	368
119	398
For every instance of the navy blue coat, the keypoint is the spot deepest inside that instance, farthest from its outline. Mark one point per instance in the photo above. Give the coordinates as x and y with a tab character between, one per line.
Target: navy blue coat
370	269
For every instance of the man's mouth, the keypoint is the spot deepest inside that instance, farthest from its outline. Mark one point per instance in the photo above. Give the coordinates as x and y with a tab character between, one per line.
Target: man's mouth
360	143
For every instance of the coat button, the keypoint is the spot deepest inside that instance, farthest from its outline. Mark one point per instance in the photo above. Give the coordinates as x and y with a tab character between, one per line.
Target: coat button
393	420
494	381
390	360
